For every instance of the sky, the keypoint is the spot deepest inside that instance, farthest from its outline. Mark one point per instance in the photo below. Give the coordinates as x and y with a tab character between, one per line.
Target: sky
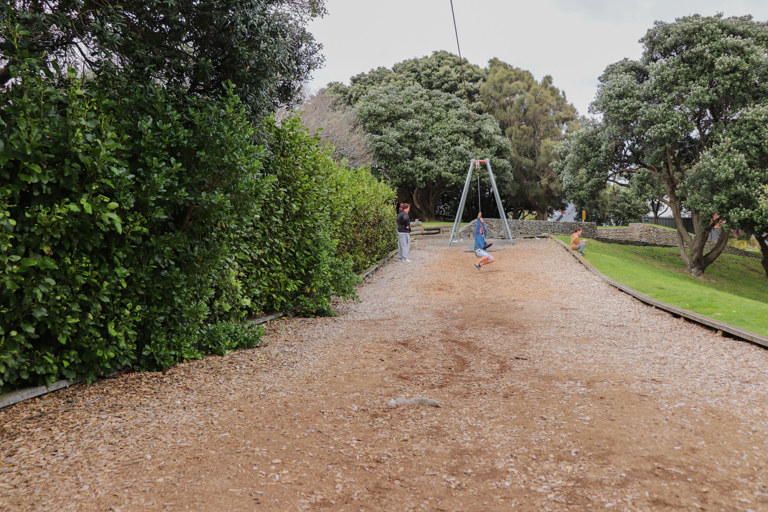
571	40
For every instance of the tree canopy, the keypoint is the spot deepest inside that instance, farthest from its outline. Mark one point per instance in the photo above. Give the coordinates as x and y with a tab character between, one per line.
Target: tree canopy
423	142
440	71
660	114
261	46
535	117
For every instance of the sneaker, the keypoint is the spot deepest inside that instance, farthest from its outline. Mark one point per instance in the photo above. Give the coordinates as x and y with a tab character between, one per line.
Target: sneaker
476	266
407	260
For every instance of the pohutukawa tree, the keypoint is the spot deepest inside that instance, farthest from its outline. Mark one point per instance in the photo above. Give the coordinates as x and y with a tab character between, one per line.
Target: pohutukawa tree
423	142
416	121
662	113
535	117
731	179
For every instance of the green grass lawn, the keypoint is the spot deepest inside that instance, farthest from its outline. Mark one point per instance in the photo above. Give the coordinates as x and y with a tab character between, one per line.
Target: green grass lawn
738	293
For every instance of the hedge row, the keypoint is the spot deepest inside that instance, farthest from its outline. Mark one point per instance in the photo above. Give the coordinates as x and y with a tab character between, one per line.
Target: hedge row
140	227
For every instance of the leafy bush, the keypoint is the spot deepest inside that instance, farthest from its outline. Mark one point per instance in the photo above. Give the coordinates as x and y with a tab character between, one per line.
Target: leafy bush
140	226
66	309
363	215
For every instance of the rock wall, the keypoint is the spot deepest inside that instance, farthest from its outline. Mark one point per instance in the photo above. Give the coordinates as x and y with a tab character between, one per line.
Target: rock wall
635	234
649	234
522	228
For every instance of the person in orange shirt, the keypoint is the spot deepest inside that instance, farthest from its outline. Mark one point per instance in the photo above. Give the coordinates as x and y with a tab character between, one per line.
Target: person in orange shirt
577	244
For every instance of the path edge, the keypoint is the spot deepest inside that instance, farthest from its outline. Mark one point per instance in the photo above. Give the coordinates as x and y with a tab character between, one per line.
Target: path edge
732	330
376	266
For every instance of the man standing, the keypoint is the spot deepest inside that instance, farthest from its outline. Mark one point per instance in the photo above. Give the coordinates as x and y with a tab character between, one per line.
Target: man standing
403	233
485	258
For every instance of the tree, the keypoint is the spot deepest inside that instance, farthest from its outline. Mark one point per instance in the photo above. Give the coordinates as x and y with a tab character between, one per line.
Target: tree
731	178
660	114
261	46
650	188
441	71
336	125
423	142
535	116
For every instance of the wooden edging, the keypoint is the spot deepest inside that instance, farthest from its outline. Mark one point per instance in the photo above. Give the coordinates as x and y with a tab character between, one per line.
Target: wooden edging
734	331
15	397
373	268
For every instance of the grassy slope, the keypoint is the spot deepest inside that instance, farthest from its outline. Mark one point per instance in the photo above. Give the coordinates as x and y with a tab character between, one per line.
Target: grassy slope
738	294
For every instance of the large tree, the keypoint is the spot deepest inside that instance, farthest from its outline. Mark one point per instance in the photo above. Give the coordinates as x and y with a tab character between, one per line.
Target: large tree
261	46
423	142
440	71
730	179
535	117
660	114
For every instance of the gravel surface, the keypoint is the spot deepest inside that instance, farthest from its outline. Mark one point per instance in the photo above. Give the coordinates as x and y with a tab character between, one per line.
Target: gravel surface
555	392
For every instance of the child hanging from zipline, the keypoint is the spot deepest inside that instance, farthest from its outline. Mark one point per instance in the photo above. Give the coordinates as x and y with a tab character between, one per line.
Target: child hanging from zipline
480	246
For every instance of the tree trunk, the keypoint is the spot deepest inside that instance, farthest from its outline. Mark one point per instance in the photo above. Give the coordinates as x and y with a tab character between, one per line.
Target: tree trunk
762	241
423	200
696	262
699	261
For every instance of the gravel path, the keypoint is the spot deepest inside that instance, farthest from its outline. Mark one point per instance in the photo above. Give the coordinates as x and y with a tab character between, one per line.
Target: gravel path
557	392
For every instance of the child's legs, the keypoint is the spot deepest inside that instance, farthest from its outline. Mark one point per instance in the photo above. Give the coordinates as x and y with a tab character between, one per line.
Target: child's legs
486	260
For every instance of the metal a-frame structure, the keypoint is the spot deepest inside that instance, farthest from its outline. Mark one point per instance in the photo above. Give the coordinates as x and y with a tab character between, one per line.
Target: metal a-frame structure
456	223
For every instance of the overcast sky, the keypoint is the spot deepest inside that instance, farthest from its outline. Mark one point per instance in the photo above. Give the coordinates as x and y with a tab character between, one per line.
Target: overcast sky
572	40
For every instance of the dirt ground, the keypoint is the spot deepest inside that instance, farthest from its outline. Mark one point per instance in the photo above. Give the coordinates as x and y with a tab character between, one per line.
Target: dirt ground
556	392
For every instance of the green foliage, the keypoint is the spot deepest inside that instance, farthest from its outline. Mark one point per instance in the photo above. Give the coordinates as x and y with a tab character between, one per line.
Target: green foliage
66	309
362	216
734	292
140	222
423	142
662	113
142	226
261	46
535	116
440	71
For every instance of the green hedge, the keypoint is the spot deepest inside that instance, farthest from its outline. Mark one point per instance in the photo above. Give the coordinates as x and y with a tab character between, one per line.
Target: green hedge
140	227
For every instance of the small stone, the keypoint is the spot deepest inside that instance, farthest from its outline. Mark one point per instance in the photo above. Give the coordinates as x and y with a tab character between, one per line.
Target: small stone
276	461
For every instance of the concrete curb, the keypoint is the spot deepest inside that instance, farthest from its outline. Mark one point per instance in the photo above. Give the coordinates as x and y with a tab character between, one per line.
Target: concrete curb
736	332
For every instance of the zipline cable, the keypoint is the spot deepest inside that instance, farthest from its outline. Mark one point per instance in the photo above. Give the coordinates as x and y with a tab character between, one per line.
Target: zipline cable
463	79
477	169
466	98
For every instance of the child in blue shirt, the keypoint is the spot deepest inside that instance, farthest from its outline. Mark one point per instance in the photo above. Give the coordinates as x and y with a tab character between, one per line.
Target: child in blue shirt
485	258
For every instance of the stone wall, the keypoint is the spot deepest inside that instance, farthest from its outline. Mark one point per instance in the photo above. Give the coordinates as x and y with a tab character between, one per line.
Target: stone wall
611	234
523	228
648	234
635	234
